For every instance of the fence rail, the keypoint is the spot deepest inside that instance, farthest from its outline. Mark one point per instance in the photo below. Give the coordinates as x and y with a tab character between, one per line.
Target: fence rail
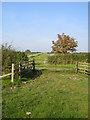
83	67
5	75
20	68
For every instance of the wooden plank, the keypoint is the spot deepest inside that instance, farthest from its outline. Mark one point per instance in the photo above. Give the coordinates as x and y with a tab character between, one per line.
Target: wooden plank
80	68
83	69
5	75
83	63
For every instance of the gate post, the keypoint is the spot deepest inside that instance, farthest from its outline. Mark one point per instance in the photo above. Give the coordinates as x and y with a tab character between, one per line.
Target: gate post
33	64
76	67
12	78
19	70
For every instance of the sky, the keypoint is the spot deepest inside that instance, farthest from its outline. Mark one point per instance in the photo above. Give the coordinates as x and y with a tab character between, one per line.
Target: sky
33	25
45	0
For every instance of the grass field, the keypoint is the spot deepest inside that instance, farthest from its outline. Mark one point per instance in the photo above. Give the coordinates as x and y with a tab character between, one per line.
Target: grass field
40	58
52	91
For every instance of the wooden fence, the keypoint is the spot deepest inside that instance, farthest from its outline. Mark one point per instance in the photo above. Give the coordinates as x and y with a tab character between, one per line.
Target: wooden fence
20	69
83	67
23	68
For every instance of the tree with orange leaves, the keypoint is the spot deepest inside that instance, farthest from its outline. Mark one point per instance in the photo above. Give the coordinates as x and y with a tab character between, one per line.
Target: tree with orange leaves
64	44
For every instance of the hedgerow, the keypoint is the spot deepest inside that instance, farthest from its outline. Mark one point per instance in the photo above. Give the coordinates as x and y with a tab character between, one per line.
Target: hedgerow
68	58
9	56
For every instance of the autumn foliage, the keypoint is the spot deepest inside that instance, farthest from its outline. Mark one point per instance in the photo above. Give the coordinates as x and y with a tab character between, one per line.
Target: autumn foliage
64	44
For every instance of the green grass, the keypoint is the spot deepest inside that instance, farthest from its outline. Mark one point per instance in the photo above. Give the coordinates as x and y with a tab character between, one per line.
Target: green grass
40	58
52	91
46	94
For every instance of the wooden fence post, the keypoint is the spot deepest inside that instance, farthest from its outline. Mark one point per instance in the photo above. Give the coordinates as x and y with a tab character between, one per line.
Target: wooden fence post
76	67
84	69
19	70
33	64
12	78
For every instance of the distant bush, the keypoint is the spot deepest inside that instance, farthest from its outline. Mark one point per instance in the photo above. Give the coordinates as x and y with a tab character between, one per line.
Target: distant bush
27	52
68	58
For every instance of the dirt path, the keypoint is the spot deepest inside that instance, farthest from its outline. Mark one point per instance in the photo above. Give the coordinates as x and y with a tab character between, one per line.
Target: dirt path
55	69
